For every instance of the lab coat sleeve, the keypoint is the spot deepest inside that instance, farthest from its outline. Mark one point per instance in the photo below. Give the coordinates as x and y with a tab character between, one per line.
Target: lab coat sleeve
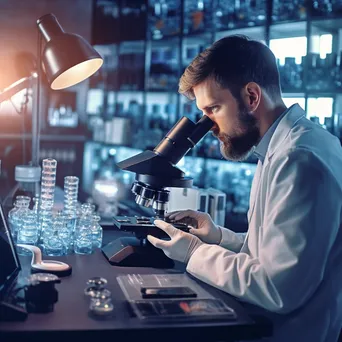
301	221
231	240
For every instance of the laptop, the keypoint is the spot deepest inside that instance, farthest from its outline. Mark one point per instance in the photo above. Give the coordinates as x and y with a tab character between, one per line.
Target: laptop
10	267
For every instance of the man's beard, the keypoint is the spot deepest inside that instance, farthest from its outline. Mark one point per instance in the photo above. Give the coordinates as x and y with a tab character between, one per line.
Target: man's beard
240	146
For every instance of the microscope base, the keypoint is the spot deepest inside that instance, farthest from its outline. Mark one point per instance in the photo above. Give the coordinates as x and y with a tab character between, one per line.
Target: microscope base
130	252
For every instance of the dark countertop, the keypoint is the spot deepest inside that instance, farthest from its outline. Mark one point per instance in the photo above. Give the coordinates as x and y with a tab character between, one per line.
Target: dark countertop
70	318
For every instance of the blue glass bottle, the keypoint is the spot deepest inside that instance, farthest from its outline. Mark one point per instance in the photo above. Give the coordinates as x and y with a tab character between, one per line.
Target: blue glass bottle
54	245
16	215
83	238
97	232
28	232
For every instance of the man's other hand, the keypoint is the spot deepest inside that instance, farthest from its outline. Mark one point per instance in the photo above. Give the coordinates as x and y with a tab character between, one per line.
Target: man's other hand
201	223
181	246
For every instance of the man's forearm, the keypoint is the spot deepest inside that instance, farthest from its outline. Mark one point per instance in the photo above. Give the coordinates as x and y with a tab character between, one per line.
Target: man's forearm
232	240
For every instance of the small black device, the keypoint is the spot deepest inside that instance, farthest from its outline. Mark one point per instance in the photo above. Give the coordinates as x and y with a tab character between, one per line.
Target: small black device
168	292
40	292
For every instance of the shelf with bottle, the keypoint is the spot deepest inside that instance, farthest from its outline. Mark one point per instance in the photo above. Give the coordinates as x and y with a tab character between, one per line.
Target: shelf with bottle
324	59
137	119
287	11
314	67
164	71
323	74
202	16
131	64
198	16
192	46
228	15
167	18
123	67
161	114
122	121
106	22
162	106
164	19
291	75
326	9
132	11
107	76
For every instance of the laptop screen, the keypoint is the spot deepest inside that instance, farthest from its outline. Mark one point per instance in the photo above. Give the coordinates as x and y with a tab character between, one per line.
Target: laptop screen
9	261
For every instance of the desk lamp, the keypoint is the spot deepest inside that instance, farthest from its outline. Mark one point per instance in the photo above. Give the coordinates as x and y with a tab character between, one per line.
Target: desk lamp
67	59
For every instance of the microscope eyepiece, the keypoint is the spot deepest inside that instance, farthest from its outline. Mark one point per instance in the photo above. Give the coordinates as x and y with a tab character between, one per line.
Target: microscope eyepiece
201	129
183	136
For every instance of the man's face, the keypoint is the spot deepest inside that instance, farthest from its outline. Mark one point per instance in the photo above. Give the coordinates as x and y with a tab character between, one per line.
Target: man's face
234	126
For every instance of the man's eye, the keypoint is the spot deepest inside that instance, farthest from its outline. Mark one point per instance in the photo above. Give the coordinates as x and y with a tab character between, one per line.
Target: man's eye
210	110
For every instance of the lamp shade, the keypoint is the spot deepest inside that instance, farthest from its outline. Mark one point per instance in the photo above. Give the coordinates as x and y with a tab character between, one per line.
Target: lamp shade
67	58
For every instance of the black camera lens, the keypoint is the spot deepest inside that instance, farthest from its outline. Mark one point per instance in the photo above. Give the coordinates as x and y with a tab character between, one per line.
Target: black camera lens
40	293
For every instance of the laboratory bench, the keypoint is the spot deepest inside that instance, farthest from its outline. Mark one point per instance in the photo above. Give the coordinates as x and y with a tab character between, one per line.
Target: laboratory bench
71	320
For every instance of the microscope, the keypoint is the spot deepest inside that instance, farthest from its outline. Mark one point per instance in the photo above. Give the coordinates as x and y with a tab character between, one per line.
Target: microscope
156	171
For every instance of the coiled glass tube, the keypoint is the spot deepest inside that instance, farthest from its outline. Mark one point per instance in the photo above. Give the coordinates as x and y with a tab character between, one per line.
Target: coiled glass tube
48	183
70	195
47	196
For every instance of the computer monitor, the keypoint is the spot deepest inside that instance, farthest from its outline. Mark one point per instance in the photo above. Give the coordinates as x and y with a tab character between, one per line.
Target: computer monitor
9	270
9	261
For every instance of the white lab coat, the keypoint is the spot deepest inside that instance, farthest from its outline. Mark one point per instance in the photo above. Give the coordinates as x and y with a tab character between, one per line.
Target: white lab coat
290	261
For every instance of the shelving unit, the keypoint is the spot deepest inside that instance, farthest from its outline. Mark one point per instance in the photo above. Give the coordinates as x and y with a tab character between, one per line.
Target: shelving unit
164	36
152	42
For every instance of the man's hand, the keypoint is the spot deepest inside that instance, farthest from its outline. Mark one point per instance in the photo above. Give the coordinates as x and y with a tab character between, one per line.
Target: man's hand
203	225
181	246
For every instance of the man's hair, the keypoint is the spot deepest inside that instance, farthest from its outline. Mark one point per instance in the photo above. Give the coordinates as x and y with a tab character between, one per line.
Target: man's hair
233	62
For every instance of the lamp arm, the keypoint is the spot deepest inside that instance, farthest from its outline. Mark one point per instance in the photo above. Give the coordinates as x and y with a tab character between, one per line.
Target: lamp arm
15	87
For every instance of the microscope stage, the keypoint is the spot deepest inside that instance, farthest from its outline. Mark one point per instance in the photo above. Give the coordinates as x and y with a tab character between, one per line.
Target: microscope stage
143	226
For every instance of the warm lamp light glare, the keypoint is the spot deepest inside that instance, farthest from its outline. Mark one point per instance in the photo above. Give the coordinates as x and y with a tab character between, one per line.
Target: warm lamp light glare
76	74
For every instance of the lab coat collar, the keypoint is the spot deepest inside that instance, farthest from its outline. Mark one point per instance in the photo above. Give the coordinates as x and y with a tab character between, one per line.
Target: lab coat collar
294	114
261	149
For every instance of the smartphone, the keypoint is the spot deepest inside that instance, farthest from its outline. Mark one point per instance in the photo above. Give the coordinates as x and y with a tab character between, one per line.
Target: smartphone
168	292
